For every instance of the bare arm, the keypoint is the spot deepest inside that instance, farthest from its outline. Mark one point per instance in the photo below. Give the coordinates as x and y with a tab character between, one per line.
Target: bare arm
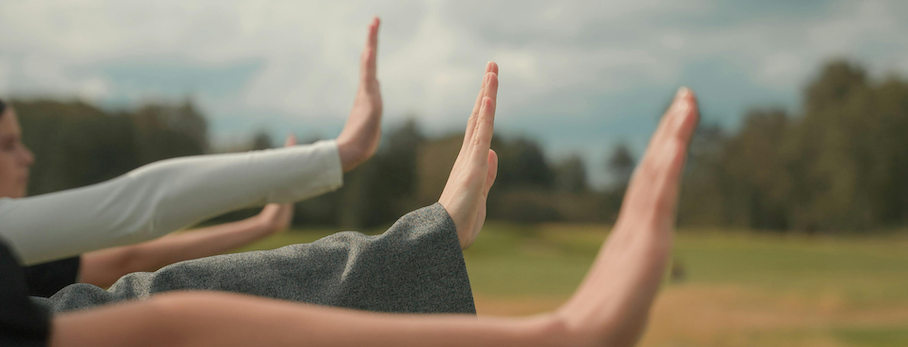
220	319
625	277
103	268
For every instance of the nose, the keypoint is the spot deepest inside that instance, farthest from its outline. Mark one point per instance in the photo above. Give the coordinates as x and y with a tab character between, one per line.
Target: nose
26	155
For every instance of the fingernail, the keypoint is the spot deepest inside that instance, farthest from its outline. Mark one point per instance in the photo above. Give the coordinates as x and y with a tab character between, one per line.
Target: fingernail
682	103
681	114
682	107
682	92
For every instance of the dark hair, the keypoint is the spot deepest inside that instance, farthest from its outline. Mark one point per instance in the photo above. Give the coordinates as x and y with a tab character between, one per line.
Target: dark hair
2	108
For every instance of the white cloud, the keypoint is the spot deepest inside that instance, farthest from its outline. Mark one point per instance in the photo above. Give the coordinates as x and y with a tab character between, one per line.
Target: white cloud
554	55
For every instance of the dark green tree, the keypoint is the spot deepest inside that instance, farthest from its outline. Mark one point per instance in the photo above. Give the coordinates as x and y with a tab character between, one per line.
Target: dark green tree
261	140
620	165
570	175
522	165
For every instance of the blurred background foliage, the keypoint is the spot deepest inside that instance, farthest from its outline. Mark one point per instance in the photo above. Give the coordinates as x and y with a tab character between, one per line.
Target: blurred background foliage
784	219
838	164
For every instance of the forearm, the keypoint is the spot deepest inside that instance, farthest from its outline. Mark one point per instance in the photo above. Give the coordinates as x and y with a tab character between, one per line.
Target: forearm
138	323
217	319
163	197
103	268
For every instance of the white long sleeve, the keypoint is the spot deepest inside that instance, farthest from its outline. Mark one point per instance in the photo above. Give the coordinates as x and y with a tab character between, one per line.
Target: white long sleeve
162	197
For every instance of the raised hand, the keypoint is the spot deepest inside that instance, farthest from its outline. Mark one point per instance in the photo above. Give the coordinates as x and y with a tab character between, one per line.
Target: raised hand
362	132
465	193
277	217
611	306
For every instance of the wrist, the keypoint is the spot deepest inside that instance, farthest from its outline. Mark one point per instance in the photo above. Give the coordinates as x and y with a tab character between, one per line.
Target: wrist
458	228
351	154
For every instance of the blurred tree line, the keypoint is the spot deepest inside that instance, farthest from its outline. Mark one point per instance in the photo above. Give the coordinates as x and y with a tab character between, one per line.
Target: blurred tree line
410	171
76	144
837	166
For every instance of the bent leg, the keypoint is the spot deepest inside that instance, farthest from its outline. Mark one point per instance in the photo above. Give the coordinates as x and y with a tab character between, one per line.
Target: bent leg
416	266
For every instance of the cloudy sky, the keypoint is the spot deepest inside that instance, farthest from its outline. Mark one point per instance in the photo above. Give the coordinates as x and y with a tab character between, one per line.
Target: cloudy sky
579	76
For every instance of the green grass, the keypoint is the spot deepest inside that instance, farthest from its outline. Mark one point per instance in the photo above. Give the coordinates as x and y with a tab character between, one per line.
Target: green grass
530	261
867	271
862	275
551	260
877	336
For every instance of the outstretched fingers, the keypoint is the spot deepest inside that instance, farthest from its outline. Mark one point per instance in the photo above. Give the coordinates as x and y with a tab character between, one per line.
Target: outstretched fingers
482	87
654	187
491	69
481	139
681	131
368	65
476	166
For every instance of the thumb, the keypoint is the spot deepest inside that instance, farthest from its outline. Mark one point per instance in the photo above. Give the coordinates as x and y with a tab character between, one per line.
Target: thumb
493	172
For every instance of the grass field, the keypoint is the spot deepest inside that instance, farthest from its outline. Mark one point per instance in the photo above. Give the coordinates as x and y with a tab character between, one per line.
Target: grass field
739	288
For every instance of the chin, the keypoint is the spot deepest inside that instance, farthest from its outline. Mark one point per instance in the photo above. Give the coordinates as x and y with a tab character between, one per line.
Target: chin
14	193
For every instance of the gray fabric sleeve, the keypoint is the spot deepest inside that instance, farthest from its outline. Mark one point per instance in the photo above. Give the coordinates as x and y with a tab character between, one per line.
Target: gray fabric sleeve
416	266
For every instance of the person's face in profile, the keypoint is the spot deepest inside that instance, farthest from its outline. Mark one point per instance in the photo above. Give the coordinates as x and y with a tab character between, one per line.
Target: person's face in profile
15	158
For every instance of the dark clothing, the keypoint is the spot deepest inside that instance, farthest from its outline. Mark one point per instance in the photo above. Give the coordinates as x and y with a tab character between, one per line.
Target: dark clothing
22	323
416	266
48	278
